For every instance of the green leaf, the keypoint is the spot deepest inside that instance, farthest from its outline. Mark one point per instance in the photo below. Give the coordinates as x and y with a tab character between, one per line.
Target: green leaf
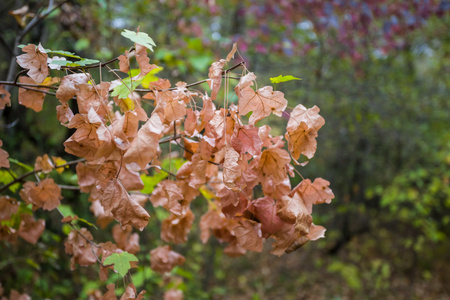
6	177
140	38
121	262
63	53
282	78
80	63
124	89
25	166
151	181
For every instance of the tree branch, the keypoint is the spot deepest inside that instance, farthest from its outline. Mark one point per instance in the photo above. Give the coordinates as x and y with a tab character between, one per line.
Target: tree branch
21	178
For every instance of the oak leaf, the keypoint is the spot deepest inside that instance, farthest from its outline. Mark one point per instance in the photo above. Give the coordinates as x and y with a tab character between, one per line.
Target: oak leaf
163	259
30	229
5	97
261	103
35	60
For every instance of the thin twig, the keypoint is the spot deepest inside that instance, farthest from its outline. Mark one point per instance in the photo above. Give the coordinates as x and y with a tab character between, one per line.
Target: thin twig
191	84
21	178
19	84
69	187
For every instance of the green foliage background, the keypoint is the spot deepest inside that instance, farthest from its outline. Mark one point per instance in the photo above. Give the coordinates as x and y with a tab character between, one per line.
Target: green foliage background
384	148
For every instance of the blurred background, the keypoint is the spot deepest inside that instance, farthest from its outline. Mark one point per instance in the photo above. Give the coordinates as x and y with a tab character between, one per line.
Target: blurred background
378	70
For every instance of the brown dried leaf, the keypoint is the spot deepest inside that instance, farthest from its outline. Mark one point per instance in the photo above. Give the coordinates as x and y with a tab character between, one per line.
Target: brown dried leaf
124	208
246	139
230	55
44	163
231	168
80	249
244	82
35	60
31	99
163	259
248	235
314	193
126	240
110	294
168	194
64	114
261	103
5	97
310	116
69	85
15	295
173	294
211	220
265	210
215	74
30	229
302	141
145	146
143	61
176	228
4	162
47	194
8	207
273	162
124	63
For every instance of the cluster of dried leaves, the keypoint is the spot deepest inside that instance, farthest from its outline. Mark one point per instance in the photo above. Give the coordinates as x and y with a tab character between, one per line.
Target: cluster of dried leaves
226	153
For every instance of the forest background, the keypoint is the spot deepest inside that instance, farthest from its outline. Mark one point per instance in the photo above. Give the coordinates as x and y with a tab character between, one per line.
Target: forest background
378	70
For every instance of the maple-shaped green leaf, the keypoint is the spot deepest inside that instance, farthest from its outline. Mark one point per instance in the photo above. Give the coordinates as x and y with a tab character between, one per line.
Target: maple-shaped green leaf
80	63
282	78
124	89
121	262
63	53
140	38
